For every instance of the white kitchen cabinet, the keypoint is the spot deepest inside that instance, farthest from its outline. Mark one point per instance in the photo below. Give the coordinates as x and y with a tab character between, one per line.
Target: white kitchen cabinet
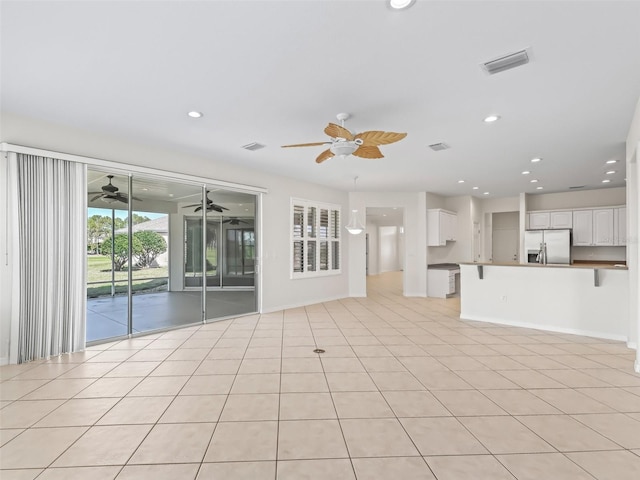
593	227
620	226
561	219
539	220
582	227
441	282
603	227
442	227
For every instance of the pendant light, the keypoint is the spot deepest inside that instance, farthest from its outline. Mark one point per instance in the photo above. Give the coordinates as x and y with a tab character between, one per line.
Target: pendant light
354	227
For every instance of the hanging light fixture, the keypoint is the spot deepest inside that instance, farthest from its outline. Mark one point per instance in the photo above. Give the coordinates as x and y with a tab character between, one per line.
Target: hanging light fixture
354	227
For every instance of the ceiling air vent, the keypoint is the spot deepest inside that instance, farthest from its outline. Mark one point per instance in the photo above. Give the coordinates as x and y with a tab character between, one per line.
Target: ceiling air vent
506	62
253	146
576	187
436	147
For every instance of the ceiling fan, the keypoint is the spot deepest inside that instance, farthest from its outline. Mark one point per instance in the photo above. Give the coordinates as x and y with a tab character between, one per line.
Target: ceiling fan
211	207
110	194
343	142
234	221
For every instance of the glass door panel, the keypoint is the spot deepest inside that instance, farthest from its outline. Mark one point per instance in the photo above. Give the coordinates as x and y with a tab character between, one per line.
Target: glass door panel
160	297
234	243
107	255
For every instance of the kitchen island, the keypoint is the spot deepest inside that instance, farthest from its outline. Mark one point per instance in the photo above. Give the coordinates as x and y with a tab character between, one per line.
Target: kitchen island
585	299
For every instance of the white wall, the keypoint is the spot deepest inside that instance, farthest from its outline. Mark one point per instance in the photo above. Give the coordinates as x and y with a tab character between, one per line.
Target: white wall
278	290
415	238
388	249
578	199
633	212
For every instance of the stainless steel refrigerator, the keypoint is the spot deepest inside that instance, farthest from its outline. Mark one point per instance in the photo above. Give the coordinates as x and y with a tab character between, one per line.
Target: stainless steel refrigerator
548	246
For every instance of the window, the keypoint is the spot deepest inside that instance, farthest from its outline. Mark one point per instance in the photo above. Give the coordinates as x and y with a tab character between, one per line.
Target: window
315	239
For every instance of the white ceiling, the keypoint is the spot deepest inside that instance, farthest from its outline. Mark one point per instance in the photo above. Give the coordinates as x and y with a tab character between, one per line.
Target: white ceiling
276	72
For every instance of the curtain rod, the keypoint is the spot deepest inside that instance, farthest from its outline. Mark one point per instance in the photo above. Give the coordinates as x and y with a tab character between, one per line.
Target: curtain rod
9	147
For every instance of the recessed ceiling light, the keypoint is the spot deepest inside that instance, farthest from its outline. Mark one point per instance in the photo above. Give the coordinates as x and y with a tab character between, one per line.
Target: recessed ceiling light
145	189
612	161
491	118
534	181
535	160
460	181
606	181
194	114
171	194
539	188
486	193
395	208
526	172
384	214
246	209
610	172
400	4
475	188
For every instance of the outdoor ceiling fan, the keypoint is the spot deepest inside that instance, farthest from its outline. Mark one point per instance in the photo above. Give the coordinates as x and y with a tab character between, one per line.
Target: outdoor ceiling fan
211	207
234	221
343	142
111	194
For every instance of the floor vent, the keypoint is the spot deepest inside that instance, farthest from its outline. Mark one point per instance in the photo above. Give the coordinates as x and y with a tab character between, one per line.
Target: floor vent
506	62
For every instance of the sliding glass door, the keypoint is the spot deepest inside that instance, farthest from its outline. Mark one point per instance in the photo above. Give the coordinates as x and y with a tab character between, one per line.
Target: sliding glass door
152	265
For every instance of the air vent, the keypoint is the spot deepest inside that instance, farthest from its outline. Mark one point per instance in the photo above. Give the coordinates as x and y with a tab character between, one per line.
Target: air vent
436	147
253	146
576	187
506	62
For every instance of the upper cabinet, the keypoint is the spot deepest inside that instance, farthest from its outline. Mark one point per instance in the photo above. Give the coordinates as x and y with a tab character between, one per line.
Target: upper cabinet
593	227
442	226
583	228
546	220
603	227
561	219
539	220
620	226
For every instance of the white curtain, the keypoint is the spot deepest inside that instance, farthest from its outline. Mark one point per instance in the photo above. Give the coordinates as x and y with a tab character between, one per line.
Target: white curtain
50	195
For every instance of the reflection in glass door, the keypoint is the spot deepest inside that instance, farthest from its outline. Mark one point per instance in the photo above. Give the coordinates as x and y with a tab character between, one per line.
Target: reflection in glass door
193	263
240	256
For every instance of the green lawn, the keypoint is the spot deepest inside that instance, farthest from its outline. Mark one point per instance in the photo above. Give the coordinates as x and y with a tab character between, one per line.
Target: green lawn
144	279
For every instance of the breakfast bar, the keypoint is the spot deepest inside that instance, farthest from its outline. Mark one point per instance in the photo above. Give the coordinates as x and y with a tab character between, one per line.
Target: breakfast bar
585	299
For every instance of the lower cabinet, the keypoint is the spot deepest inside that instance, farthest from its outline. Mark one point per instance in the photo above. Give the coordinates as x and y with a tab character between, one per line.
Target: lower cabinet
440	282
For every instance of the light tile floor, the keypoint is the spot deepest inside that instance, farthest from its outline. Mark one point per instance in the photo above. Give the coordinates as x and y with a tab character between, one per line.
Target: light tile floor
404	390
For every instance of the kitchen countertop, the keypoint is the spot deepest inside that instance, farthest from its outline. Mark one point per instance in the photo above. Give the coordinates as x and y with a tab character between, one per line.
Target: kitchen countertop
444	266
594	265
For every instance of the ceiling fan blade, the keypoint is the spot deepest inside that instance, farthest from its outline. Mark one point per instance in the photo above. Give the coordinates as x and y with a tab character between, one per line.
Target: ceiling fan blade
194	205
324	156
315	144
365	151
198	209
96	197
95	193
136	198
336	131
122	199
374	138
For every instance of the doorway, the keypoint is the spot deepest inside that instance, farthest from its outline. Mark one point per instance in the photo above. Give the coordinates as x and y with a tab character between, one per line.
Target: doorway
384	243
505	243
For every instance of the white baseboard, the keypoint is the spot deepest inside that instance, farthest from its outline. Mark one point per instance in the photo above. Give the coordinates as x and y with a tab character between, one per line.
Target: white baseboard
4	361
636	366
302	304
572	331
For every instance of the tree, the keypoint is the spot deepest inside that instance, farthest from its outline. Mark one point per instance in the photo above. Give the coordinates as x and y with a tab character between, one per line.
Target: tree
98	228
139	218
152	244
121	249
